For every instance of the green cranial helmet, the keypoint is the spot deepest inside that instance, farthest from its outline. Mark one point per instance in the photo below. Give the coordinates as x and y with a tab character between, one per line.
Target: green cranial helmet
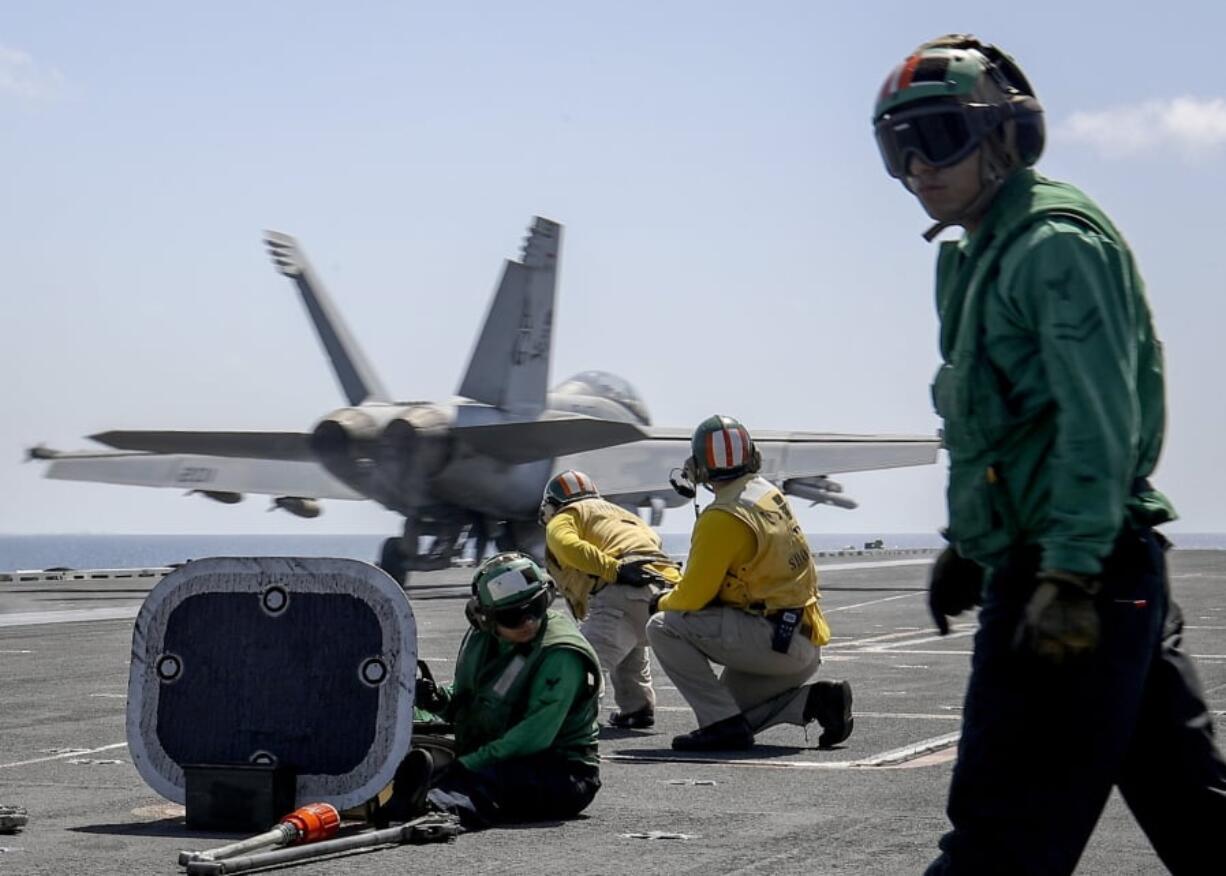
722	450
508	589
952	95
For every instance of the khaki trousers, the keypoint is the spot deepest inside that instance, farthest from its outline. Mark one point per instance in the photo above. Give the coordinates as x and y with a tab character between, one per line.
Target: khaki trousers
616	628
756	680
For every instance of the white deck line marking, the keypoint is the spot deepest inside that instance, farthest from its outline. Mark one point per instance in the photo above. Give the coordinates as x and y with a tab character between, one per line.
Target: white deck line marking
877	564
885	759
37	618
889	646
18	763
907	752
881	652
951	716
870	602
902	634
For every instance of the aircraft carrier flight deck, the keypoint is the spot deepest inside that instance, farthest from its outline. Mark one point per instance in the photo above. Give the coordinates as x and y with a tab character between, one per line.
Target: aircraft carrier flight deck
873	805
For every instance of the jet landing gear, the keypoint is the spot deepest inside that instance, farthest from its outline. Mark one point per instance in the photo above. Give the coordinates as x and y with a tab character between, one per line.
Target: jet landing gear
393	561
442	540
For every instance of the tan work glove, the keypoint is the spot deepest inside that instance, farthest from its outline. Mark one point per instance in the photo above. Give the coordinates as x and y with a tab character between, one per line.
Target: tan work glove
1060	621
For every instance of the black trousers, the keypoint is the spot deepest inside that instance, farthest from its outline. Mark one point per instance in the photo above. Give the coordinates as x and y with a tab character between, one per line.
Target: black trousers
542	787
1042	746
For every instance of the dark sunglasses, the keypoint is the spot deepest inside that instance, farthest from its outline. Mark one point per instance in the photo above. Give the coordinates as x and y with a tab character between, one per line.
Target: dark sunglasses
517	616
941	135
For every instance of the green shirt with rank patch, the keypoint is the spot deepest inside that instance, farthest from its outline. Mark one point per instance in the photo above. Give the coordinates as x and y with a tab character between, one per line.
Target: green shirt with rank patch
1051	387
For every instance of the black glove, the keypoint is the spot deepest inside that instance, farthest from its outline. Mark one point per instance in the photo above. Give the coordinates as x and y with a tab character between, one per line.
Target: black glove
1060	621
654	605
636	574
426	693
953	587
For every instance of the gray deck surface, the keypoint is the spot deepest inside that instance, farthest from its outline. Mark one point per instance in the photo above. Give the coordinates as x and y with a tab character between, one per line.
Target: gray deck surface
784	808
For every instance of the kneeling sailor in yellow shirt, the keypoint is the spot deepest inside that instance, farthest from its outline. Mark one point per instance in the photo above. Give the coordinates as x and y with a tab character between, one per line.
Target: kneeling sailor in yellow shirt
609	565
748	602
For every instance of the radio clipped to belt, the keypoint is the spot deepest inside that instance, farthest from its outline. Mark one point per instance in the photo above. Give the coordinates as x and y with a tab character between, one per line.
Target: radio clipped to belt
785	623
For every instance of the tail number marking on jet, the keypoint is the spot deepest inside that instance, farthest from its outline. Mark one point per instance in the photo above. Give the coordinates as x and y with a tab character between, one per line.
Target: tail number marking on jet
195	474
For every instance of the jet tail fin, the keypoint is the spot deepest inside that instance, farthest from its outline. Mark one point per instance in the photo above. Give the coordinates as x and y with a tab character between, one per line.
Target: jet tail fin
509	366
356	376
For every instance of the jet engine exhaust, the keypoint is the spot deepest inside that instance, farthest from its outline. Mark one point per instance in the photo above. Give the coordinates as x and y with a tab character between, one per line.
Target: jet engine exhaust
346	443
414	447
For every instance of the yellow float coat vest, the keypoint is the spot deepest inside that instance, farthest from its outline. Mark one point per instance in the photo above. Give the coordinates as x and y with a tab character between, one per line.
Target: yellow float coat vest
781	573
614	531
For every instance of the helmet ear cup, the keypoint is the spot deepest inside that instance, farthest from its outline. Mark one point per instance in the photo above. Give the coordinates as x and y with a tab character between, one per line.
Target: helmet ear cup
477	618
1029	131
697	469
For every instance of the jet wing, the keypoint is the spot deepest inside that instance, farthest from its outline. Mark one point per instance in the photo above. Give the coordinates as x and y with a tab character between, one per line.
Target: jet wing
550	436
274	477
643	468
290	446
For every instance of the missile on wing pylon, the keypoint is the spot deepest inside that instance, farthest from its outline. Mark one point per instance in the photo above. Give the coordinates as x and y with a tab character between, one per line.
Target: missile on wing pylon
298	506
818	490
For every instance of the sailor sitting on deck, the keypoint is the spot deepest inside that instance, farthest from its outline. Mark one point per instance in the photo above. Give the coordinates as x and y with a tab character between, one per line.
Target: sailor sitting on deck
524	705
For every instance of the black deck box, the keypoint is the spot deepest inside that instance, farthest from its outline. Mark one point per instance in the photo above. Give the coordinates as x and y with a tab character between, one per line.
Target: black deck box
239	798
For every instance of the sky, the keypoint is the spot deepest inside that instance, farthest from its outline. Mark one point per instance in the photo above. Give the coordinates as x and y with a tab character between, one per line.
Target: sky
732	242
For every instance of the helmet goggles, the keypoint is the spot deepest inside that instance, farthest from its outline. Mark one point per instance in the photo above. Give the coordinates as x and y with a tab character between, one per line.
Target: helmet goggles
940	134
516	616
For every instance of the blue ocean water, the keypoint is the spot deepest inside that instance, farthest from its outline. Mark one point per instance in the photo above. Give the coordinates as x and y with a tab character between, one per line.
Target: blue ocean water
128	551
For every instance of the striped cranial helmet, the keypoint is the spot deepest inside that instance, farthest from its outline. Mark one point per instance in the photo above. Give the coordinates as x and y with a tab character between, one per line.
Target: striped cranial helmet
948	97
564	488
508	589
722	450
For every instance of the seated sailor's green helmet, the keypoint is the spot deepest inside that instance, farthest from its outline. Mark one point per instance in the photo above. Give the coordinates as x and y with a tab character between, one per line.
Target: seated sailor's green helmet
509	589
950	96
721	450
564	488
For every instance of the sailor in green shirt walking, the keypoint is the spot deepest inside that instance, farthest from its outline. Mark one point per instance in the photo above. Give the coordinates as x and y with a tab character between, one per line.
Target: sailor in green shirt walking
524	704
1051	392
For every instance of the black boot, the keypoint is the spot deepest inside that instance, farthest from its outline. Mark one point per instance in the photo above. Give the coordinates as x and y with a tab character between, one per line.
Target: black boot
639	719
730	734
409	788
829	703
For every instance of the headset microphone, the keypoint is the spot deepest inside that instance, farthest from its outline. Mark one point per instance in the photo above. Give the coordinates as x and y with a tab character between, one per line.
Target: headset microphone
680	481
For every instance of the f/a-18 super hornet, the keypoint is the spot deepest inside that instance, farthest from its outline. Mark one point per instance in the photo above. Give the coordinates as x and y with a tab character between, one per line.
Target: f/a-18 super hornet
474	467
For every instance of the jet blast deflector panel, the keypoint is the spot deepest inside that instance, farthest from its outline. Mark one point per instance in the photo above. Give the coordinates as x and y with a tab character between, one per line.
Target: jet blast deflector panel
303	663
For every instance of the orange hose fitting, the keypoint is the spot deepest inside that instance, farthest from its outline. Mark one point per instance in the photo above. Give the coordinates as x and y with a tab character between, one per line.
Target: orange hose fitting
314	822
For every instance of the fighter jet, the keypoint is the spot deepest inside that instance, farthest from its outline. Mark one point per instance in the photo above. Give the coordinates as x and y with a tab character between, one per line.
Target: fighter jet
472	468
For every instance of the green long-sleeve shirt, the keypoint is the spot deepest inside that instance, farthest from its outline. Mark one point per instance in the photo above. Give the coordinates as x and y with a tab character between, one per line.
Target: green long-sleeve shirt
559	680
1052	390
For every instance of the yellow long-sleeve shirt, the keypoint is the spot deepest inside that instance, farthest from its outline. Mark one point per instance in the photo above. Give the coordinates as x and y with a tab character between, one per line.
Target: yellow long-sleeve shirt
721	543
574	551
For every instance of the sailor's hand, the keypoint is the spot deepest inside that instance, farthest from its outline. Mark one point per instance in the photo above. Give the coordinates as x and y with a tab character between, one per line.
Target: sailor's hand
429	696
953	587
654	605
1060	621
636	574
